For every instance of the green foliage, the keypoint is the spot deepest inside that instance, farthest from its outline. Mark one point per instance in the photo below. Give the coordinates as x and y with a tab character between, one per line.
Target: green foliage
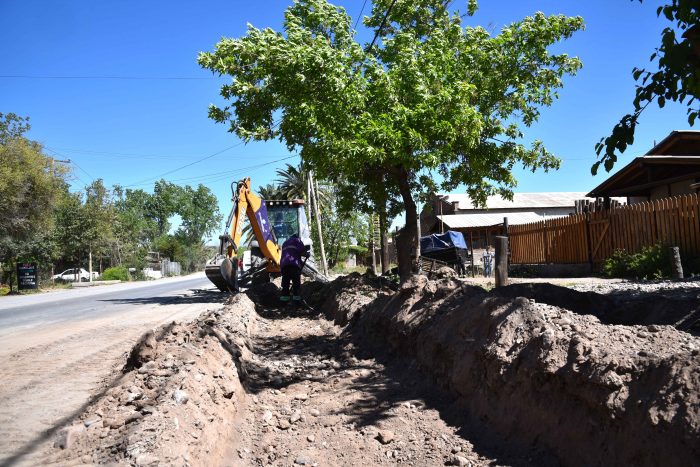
86	223
270	191
430	97
676	78
30	186
652	262
170	247
116	273
199	214
143	225
358	249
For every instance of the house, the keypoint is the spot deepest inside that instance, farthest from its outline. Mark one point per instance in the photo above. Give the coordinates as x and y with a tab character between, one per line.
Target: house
670	168
479	225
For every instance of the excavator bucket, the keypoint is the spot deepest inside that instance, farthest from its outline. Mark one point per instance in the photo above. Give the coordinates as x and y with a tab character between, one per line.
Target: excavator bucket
221	272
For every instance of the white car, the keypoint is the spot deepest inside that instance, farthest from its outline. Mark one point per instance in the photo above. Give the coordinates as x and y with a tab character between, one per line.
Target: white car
74	275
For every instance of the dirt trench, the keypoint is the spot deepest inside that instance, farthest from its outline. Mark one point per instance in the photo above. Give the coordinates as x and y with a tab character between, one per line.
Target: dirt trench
434	373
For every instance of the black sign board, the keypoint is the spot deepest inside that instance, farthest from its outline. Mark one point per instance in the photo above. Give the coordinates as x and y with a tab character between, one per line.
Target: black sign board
27	276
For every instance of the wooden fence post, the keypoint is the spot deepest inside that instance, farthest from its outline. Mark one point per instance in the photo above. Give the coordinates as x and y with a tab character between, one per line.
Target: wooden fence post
501	260
676	266
589	243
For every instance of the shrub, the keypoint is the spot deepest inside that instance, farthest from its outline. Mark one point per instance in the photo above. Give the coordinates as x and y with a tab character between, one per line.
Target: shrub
115	273
652	262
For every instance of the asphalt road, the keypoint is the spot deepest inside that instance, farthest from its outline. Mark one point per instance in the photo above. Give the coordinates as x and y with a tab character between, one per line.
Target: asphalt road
101	301
60	348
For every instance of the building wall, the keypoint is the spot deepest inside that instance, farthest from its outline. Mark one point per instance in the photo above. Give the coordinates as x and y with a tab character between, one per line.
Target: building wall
673	189
659	192
682	188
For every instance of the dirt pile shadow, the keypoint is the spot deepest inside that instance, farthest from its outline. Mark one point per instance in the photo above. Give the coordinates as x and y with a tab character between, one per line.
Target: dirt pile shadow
180	389
540	374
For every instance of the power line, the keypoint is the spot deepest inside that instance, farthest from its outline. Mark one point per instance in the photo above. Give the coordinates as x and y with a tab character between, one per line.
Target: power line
360	15
381	26
217	176
130	155
84	171
274	124
186	165
105	77
71	161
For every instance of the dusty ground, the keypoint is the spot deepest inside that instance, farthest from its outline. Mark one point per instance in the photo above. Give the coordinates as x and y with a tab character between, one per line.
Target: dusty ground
49	374
434	373
317	401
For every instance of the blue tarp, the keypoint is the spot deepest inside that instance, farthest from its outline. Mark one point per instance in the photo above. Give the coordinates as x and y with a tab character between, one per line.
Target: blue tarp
437	242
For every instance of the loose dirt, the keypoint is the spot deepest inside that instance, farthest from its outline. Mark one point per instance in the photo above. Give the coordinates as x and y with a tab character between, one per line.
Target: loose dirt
49	374
436	372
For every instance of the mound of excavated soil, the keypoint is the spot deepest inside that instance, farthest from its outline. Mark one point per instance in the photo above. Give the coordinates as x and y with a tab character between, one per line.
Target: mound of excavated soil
179	394
353	291
675	306
543	375
259	384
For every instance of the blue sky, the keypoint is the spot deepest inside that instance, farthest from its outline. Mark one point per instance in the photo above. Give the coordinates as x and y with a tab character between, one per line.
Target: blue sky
133	131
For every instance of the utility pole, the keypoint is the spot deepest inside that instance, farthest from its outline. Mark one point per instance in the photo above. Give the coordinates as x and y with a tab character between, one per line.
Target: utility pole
383	243
314	196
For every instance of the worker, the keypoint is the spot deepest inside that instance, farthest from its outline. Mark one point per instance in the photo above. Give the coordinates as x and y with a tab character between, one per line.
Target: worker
487	258
293	250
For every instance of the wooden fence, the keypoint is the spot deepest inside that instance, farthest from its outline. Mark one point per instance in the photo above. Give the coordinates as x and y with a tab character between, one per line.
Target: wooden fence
592	237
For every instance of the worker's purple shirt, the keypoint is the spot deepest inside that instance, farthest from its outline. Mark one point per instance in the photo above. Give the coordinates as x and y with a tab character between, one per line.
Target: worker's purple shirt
292	251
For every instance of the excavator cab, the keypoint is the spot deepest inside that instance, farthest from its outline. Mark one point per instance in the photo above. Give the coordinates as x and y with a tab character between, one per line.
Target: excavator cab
286	218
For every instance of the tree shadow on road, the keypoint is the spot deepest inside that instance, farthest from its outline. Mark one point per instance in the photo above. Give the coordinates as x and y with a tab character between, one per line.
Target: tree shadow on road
192	297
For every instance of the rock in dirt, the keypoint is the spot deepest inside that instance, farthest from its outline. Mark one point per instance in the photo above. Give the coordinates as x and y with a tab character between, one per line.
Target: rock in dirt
180	396
385	436
459	460
303	461
66	436
133	417
91	421
146	459
144	351
283	424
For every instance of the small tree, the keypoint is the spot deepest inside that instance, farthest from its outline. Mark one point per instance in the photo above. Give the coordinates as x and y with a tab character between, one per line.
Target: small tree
429	97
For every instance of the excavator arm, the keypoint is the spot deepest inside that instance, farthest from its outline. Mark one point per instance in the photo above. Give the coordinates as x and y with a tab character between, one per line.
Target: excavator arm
221	270
254	207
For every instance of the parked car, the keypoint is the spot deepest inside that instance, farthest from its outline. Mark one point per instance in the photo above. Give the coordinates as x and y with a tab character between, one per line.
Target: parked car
73	275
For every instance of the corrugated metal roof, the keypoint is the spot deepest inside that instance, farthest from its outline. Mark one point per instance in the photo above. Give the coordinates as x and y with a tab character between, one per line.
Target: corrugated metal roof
520	200
463	221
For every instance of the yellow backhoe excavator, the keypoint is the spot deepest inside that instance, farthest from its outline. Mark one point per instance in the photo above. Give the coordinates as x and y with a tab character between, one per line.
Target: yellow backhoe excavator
288	218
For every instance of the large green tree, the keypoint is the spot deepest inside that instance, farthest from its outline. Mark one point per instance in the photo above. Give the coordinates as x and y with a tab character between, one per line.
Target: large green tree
199	214
675	76
31	184
427	97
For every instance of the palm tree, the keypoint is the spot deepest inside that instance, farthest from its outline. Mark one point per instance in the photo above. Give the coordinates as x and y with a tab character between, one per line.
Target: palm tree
293	182
271	191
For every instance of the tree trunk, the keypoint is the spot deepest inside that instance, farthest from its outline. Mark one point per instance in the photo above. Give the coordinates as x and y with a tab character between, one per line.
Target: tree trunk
408	245
384	250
